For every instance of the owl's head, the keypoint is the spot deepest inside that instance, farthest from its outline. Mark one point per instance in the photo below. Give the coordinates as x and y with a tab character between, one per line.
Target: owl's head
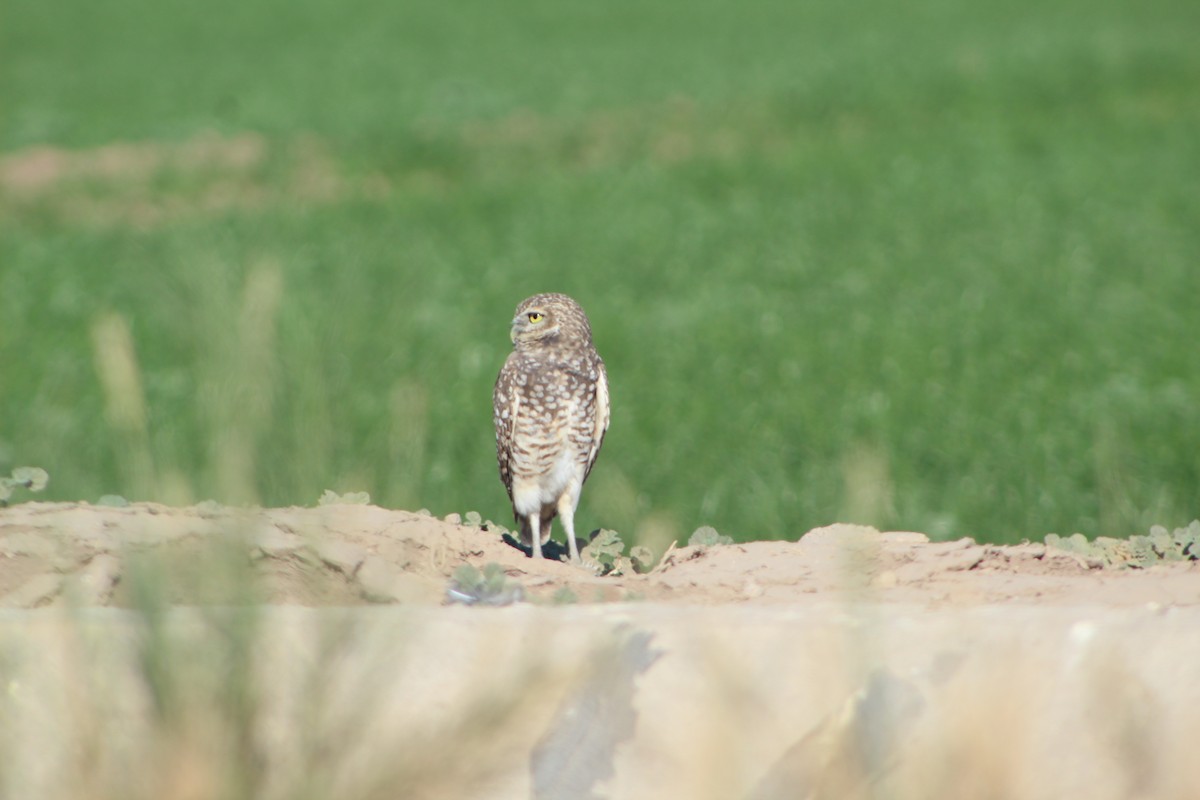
550	318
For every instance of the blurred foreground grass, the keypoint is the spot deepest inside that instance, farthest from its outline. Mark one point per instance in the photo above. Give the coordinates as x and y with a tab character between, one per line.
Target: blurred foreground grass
931	268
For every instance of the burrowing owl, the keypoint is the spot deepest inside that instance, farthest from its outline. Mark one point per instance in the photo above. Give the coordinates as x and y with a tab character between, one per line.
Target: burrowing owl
550	407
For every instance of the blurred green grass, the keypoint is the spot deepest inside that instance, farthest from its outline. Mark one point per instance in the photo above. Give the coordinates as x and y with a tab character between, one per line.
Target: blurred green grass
932	267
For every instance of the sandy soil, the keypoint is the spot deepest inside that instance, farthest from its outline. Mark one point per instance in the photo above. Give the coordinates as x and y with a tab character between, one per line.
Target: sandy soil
849	664
54	553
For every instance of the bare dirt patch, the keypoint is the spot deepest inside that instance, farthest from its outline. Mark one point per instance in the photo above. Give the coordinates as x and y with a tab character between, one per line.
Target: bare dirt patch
55	553
149	183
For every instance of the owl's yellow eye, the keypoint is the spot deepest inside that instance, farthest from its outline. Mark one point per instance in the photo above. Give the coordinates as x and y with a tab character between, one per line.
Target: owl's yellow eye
534	316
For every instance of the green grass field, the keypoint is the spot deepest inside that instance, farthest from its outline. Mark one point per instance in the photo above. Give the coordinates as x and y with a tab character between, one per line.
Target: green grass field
932	266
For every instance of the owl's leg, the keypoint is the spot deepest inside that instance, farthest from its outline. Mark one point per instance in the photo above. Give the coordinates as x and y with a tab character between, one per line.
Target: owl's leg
535	533
566	510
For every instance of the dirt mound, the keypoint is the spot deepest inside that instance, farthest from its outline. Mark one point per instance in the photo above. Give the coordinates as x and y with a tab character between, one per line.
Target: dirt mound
851	663
61	553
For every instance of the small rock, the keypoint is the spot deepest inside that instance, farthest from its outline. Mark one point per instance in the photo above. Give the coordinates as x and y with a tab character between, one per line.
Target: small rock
342	556
274	542
380	583
454	518
505	596
962	560
956	544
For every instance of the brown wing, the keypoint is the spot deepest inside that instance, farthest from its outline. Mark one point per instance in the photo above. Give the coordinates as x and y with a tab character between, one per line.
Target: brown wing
505	404
602	417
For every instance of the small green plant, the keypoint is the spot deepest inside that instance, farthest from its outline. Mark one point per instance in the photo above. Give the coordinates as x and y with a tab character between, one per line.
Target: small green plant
605	550
564	596
1136	552
707	537
491	587
642	558
332	498
474	519
32	478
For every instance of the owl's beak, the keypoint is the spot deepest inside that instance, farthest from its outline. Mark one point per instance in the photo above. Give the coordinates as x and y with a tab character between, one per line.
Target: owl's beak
512	332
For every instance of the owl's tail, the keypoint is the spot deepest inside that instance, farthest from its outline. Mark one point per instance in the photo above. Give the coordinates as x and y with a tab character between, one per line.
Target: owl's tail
547	520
